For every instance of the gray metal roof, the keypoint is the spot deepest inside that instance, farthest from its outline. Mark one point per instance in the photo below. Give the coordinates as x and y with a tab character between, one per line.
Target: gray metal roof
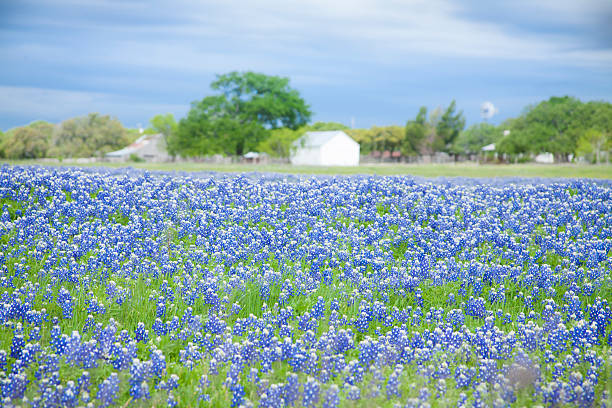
138	145
317	139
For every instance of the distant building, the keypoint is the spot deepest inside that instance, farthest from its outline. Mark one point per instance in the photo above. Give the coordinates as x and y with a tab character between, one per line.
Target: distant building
545	158
330	148
146	147
254	157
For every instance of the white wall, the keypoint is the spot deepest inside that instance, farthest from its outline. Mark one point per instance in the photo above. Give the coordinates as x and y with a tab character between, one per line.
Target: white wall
340	151
306	156
547	158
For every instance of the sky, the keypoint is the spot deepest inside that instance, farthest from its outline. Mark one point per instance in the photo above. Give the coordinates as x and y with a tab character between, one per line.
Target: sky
358	62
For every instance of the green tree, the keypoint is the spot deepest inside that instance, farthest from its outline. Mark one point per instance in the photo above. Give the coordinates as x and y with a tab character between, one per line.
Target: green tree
378	138
365	139
91	135
514	143
472	139
265	99
550	126
28	142
387	138
167	126
449	126
414	134
211	128
279	142
432	142
240	117
427	135
323	126
592	143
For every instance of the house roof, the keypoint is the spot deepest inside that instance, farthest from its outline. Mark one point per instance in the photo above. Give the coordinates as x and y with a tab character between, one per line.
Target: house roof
138	144
317	139
488	148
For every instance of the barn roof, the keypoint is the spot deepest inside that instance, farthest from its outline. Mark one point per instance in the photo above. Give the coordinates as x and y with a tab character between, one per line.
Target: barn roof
317	139
141	142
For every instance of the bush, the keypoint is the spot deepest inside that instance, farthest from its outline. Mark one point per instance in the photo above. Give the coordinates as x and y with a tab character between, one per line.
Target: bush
135	158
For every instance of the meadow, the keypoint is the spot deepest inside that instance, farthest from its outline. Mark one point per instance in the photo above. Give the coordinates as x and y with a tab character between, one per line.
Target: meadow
469	169
129	287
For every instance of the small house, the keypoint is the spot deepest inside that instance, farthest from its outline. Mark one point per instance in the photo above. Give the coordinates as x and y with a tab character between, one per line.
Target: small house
329	148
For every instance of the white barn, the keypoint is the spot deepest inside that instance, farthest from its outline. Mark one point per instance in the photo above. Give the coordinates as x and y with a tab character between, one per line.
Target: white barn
147	147
330	148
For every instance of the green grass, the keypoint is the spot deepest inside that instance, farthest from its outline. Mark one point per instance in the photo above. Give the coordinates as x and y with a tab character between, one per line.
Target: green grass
425	170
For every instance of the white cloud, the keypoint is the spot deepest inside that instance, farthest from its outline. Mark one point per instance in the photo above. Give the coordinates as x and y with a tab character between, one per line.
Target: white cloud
146	48
273	35
56	105
390	30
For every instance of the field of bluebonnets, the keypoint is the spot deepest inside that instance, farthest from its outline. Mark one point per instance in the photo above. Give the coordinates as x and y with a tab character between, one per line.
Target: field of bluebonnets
134	288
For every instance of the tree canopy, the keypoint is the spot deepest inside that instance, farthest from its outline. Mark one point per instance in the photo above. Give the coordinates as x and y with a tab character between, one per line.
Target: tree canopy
378	138
472	139
253	111
592	143
556	126
427	135
449	126
167	126
248	106
414	134
87	136
27	142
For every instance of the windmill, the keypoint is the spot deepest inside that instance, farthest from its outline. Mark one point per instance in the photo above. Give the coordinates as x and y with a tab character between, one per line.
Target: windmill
487	110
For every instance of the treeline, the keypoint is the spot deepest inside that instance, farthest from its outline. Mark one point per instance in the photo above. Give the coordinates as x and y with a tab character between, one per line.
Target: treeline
562	126
86	136
255	112
565	127
260	113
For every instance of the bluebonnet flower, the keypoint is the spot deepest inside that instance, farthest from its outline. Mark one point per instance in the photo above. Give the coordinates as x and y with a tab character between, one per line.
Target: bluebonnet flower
311	393
332	398
140	372
3	360
107	393
171	401
394	382
377	247
476	307
17	346
291	390
64	300
237	395
354	393
141	334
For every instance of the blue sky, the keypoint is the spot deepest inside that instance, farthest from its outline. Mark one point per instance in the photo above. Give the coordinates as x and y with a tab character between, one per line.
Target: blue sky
374	62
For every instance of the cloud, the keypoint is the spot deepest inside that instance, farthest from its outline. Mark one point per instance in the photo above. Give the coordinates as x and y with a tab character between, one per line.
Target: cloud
131	56
278	35
56	105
